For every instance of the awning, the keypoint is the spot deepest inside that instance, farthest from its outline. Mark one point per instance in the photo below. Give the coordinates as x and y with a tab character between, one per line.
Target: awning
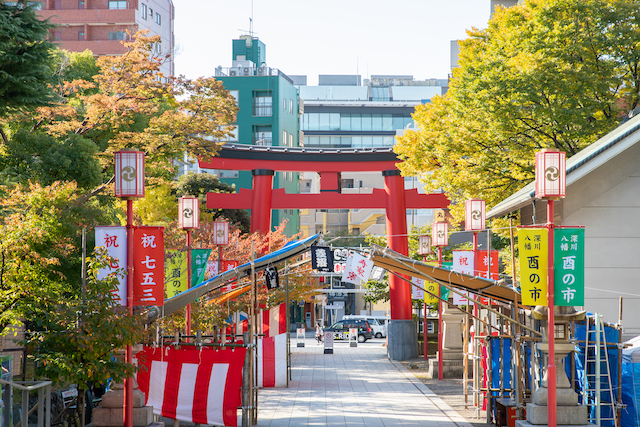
230	295
401	264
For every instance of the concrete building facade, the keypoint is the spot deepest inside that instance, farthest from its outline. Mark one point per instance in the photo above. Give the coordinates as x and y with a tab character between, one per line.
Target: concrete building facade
101	25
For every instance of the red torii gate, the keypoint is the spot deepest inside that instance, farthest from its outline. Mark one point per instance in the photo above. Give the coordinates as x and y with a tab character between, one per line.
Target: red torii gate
330	163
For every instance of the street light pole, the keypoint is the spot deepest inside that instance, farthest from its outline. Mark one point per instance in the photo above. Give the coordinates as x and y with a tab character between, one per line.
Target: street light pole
128	381
551	366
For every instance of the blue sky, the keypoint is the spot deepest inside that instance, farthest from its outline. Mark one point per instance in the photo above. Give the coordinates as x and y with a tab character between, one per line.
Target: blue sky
408	37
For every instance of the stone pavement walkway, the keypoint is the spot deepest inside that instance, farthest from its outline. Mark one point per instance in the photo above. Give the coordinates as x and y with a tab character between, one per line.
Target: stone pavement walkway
352	387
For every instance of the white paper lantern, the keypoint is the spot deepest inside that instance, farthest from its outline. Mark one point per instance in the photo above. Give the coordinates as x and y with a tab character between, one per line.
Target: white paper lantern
440	234
220	233
551	172
129	174
475	215
424	245
188	212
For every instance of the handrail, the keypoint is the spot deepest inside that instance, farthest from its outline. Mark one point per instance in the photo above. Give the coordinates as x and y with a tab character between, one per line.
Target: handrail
44	398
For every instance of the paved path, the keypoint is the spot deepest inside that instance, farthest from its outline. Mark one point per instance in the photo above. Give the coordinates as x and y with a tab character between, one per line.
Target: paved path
352	387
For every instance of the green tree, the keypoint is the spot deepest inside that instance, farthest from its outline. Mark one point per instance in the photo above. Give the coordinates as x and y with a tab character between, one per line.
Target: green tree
199	184
544	74
25	60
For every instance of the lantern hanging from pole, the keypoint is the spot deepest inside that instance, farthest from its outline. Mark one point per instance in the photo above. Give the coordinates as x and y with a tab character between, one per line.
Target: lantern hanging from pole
551	172
129	174
220	233
188	212
424	245
440	234
475	215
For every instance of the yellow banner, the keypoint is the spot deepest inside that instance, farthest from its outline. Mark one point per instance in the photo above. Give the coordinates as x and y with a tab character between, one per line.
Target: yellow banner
534	253
431	287
175	273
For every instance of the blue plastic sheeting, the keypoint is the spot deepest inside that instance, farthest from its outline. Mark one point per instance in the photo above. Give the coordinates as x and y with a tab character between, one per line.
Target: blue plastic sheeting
498	362
611	337
630	393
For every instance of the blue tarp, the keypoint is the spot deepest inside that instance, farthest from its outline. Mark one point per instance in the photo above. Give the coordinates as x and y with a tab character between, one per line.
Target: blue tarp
630	390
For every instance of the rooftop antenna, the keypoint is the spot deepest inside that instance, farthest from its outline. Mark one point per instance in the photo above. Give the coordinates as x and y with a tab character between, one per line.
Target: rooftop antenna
251	33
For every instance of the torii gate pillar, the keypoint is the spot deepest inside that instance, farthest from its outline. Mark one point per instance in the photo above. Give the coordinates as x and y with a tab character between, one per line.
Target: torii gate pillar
261	200
402	340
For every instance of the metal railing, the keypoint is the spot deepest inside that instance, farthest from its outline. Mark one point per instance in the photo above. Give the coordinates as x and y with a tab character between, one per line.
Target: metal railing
44	400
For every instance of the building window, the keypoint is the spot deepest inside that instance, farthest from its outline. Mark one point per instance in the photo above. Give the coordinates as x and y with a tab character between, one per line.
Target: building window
81	4
117	35
117	4
57	5
284	138
290	140
158	19
284	104
291	106
57	35
229	174
262	135
262	103
80	35
143	11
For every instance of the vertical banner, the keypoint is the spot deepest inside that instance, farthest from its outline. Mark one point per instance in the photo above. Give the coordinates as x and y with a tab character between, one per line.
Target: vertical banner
226	266
114	239
417	292
534	251
148	266
175	273
199	259
431	287
357	270
464	262
568	277
482	264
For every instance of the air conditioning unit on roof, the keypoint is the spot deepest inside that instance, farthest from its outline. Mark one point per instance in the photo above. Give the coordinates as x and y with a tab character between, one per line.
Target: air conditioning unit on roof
246	71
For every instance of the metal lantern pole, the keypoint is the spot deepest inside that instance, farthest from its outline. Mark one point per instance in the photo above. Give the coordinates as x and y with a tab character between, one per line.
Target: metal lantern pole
188	309
128	381
440	238
129	184
550	184
188	219
424	249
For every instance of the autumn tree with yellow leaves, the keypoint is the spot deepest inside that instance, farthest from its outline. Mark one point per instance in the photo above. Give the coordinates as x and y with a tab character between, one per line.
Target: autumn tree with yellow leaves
544	74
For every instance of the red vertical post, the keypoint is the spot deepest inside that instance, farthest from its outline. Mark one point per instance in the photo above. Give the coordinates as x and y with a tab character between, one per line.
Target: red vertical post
440	340
261	202
551	367
127	409
424	331
188	309
399	290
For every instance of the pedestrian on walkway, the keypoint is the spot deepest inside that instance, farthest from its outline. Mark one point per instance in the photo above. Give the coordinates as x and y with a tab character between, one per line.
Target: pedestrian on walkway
319	333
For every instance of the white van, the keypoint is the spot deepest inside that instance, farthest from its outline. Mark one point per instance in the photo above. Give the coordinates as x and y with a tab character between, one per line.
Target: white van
378	323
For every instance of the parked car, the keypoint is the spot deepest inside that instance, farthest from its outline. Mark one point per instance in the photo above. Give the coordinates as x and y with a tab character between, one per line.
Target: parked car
378	324
341	329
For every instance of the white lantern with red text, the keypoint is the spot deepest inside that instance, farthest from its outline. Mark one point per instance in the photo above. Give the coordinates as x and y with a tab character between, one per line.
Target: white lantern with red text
551	172
129	174
475	215
440	234
220	233
188	212
424	245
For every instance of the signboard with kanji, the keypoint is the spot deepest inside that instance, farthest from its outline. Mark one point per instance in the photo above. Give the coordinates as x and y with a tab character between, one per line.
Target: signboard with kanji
533	246
482	264
464	262
114	240
199	259
417	291
568	279
175	273
148	266
321	258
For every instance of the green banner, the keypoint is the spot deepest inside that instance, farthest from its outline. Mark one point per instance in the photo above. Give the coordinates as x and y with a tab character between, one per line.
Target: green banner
199	258
568	278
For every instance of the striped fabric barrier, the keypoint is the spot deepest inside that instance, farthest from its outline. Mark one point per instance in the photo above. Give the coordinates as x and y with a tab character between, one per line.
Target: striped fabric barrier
195	385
